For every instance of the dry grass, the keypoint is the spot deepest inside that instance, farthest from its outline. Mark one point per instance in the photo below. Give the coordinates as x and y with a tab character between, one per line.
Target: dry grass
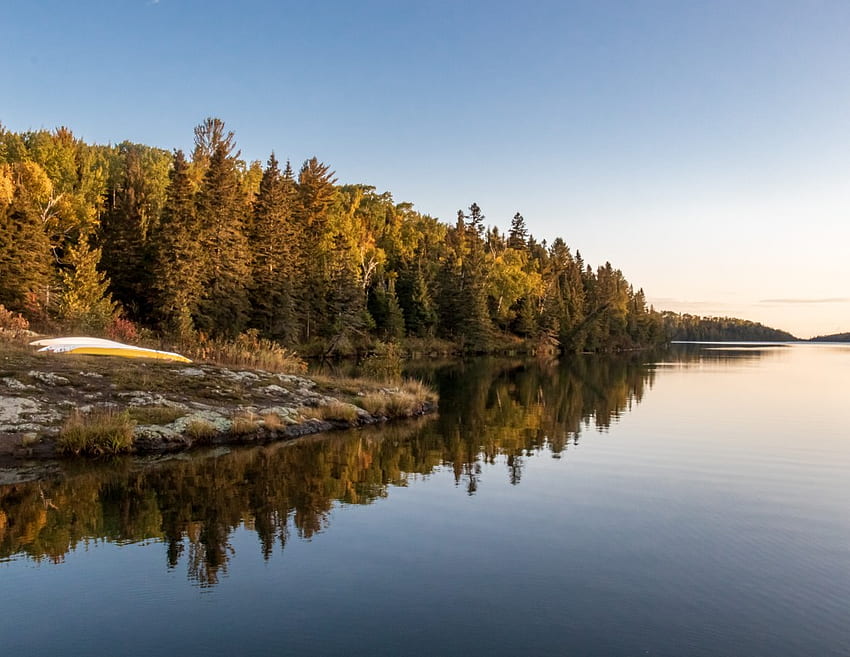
201	430
272	421
335	411
402	404
374	403
244	424
419	390
248	350
98	432
155	414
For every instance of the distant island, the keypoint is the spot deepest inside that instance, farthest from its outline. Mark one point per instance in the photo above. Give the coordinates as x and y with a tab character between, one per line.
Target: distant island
835	337
693	328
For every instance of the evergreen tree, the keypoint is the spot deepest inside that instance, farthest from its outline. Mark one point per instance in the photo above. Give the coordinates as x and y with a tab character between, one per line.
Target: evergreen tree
178	257
518	235
272	241
474	326
315	196
25	253
346	317
223	304
133	210
85	303
385	310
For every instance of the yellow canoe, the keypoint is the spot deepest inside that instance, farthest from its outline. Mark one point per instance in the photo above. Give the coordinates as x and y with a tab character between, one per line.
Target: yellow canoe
101	347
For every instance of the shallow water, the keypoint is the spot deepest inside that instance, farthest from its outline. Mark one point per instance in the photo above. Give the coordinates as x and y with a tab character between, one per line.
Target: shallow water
693	502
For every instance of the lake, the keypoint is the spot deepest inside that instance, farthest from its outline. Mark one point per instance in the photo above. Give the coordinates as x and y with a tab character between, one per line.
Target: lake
694	501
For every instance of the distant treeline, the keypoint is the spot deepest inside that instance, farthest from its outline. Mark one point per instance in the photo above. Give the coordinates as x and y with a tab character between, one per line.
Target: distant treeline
693	327
835	337
210	244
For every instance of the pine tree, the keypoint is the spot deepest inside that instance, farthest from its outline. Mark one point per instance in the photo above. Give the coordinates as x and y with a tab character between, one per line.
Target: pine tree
518	235
476	328
85	303
25	254
272	242
223	304
315	196
346	316
133	209
383	306
177	271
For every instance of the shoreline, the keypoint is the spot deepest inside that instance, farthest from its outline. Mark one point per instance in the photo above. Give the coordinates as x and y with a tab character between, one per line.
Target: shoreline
161	407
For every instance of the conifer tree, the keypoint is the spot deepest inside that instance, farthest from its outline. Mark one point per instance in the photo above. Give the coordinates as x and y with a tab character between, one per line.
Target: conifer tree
178	260
315	196
25	253
518	234
346	316
223	304
475	328
133	210
85	303
272	241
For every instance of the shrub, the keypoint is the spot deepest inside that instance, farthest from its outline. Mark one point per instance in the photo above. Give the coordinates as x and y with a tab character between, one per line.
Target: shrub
97	432
12	324
385	363
122	330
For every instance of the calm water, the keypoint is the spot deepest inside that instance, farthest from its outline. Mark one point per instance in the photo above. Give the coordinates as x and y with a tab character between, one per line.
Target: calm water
691	504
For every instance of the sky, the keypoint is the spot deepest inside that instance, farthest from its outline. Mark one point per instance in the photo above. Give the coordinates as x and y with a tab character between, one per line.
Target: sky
703	148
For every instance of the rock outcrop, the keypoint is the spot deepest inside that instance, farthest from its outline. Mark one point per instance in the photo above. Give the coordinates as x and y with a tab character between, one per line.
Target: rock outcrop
175	407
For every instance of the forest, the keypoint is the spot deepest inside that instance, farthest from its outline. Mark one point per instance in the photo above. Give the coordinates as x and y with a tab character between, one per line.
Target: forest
695	328
128	238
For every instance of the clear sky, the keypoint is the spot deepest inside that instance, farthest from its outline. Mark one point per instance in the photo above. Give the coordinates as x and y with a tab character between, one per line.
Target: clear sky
701	147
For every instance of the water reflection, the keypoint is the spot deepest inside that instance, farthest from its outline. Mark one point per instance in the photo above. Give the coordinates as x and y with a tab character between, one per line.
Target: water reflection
490	409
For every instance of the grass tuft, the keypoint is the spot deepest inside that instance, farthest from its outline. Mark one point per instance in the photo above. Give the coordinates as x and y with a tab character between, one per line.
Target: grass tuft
419	390
98	432
201	431
335	411
244	424
402	404
155	414
374	403
272	421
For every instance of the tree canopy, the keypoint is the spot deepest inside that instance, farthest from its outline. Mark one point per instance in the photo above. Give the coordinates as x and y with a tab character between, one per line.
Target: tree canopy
216	245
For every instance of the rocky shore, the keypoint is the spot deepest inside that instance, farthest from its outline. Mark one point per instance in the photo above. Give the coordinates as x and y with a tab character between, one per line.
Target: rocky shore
171	407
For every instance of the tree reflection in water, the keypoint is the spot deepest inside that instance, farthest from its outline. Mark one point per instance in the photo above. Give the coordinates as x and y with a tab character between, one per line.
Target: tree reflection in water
490	411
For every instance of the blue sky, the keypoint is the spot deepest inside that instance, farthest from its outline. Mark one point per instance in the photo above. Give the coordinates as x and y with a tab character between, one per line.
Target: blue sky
701	147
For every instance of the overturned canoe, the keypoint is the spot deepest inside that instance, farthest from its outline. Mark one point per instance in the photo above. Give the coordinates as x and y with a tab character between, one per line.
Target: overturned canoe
102	347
